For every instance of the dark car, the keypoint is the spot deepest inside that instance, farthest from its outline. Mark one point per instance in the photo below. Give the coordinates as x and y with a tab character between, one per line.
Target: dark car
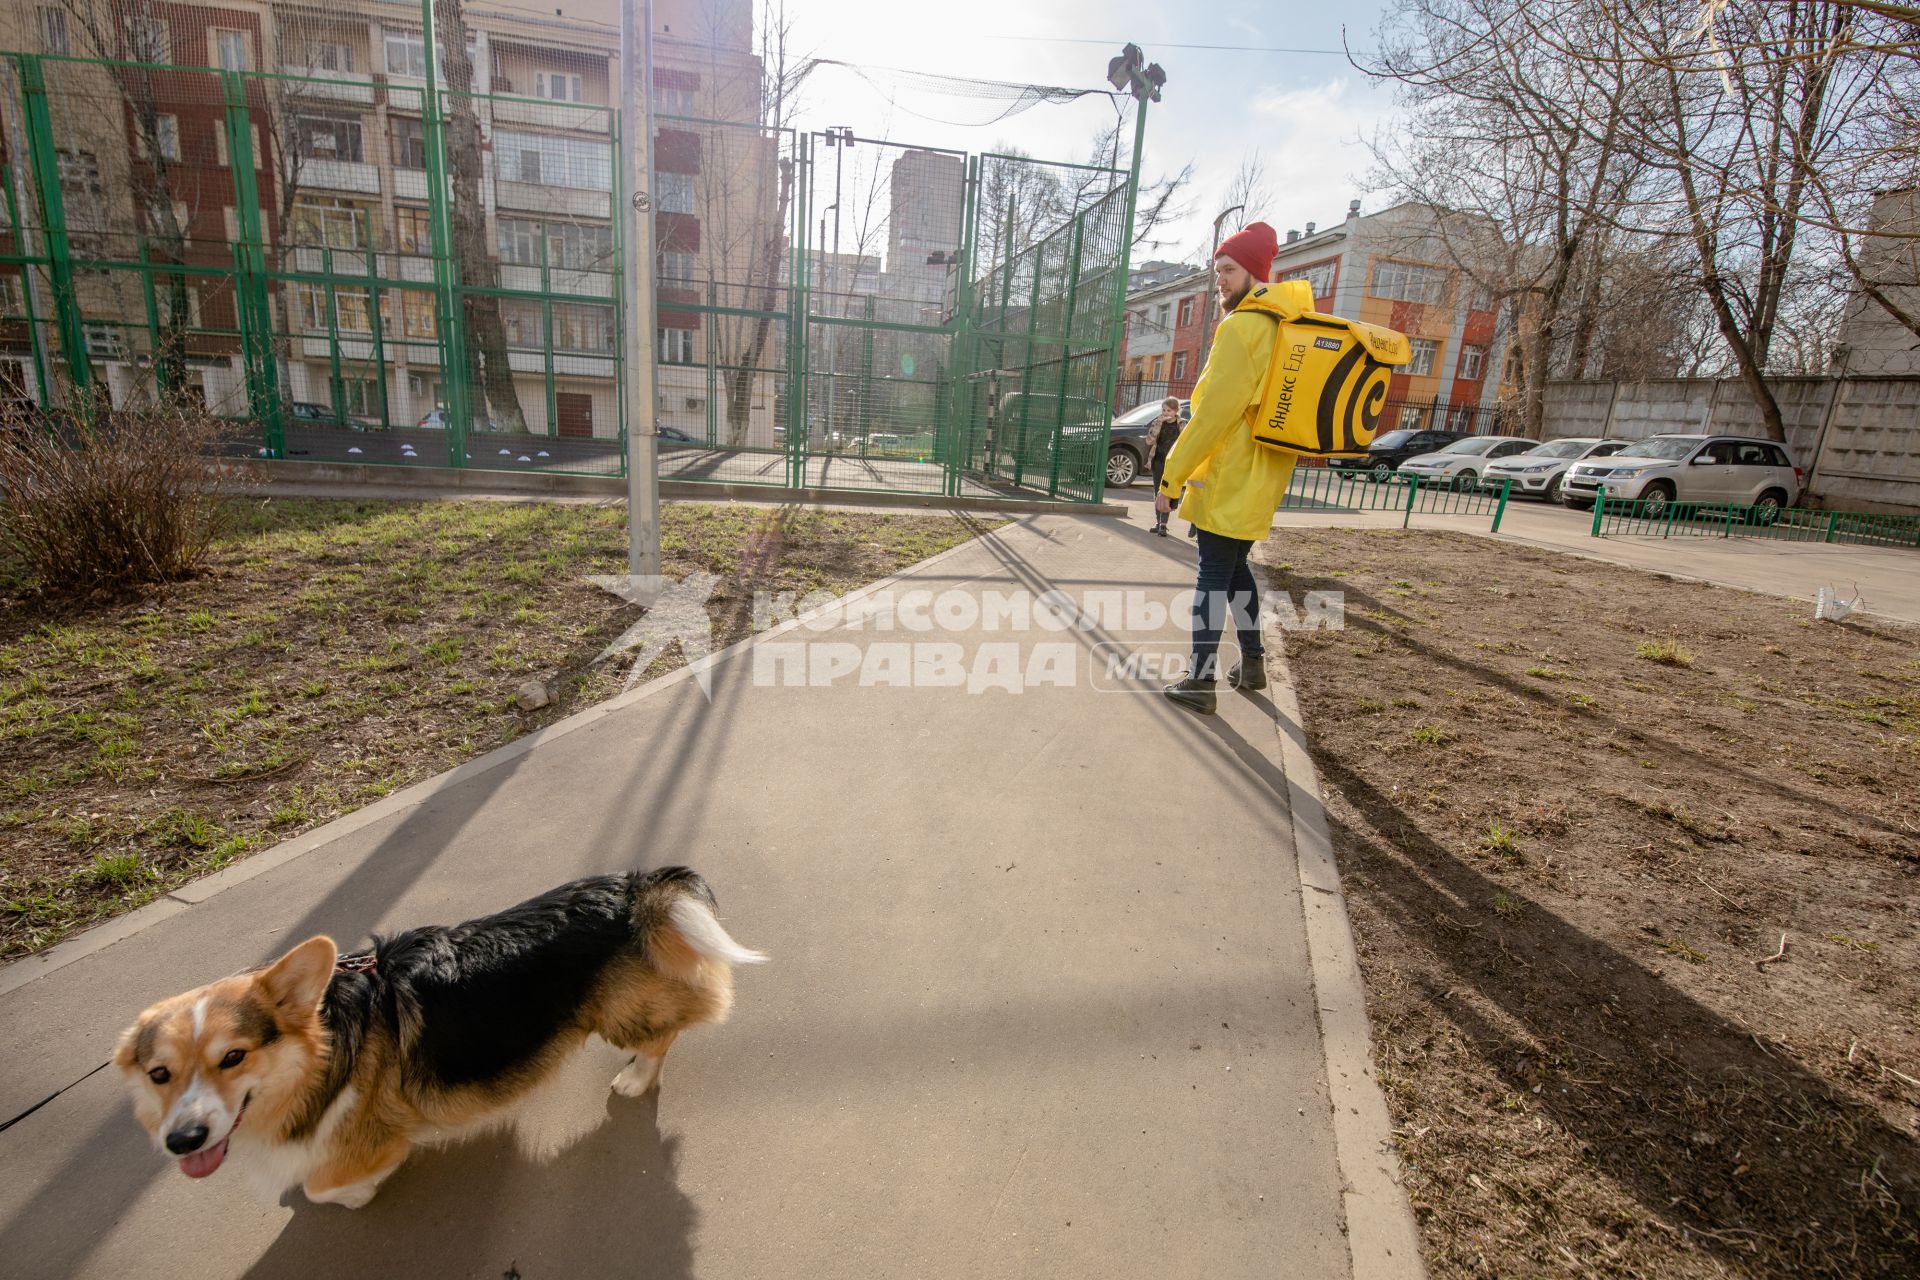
1391	448
1127	442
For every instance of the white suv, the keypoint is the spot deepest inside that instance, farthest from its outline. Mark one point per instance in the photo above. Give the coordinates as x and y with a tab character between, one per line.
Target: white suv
1714	470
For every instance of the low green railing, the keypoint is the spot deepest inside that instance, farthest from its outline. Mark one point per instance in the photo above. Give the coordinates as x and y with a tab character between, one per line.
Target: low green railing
1641	518
1330	489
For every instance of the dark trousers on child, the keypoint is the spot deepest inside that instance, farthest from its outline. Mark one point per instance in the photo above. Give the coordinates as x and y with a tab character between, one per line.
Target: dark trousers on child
1225	591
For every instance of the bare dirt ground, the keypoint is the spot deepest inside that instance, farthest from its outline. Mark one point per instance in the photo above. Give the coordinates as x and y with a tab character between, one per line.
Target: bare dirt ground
334	652
1577	809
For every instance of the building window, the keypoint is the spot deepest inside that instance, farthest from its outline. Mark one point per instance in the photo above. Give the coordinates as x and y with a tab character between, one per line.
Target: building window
324	55
1186	315
580	326
352	310
409	143
569	245
1158	365
677	268
81	192
676	346
558	86
1426	352
1473	362
541	160
328	137
1405	282
1163	316
1319	277
335	225
413	229
672	102
674	191
11	302
104	341
166	138
1180	363
406	55
53	31
362	397
417	315
231	50
147	40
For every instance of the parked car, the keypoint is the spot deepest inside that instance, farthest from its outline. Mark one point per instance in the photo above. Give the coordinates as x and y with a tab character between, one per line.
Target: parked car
1539	472
672	435
1716	470
310	413
1460	463
1127	442
1391	448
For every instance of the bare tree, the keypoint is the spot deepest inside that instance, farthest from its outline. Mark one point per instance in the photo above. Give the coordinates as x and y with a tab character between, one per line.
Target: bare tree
1521	153
745	192
134	32
1747	106
486	354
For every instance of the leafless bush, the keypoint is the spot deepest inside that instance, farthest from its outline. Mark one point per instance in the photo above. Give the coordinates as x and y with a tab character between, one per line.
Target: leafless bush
96	504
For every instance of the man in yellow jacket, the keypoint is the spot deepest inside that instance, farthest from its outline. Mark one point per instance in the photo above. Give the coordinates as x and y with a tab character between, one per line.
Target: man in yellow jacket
1224	483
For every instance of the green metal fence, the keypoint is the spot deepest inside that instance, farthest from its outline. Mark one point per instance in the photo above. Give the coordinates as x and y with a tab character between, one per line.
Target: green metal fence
360	269
1335	489
1661	518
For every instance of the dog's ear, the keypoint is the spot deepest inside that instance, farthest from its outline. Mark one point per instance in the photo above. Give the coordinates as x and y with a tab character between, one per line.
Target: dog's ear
297	981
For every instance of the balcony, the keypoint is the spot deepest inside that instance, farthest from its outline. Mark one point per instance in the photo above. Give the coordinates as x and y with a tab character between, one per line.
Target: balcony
574	116
410	184
341	175
316	85
586	284
575	201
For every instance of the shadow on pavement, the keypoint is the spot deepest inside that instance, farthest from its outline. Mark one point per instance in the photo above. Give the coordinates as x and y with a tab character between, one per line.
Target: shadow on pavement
606	1206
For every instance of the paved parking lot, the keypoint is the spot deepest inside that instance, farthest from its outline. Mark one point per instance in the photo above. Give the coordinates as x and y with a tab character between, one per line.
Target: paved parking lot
1887	579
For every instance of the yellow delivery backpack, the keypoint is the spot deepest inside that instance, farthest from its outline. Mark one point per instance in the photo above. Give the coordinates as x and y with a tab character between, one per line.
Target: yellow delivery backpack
1328	380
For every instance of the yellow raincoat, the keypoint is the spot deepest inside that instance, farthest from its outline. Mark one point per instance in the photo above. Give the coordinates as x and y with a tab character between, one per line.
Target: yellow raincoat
1232	485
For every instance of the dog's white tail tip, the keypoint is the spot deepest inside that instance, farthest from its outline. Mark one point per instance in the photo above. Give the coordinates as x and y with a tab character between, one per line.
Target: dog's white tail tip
703	933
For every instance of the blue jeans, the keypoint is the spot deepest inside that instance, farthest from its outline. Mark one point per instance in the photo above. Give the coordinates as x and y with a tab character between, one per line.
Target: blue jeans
1225	589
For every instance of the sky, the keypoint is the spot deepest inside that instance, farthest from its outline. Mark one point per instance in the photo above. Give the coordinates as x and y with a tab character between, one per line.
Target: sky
1306	113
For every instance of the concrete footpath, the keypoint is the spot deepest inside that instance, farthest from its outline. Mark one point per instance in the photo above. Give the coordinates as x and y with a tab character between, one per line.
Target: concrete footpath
1042	1001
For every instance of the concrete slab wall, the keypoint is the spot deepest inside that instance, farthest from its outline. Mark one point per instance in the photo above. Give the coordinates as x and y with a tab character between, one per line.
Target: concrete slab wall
1857	438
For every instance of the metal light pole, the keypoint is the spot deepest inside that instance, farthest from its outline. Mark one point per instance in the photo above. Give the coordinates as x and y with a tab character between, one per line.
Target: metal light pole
1206	312
1129	72
636	278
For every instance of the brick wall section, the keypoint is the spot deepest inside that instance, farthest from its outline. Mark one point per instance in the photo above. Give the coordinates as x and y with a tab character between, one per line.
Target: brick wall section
1867	460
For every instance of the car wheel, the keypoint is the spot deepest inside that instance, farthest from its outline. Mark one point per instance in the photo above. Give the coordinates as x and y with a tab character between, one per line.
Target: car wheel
1122	468
1766	509
1464	481
1553	489
1655	497
1381	471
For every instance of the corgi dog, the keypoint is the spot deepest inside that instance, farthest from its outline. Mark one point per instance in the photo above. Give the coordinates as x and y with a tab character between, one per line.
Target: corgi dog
322	1070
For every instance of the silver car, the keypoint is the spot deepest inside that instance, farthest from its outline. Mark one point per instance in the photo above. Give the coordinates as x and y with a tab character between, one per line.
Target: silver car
1460	463
1734	471
1538	472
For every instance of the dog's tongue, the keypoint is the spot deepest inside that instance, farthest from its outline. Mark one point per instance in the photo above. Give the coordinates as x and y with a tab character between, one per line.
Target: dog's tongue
203	1162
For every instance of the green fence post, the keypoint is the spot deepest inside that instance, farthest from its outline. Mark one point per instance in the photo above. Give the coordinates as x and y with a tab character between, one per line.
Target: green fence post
1727	532
1599	508
153	318
250	283
379	330
1413	490
1500	511
1060	402
446	270
26	290
336	389
546	336
53	221
1833	518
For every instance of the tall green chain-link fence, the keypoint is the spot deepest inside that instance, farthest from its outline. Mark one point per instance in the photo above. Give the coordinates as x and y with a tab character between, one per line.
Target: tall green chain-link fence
356	269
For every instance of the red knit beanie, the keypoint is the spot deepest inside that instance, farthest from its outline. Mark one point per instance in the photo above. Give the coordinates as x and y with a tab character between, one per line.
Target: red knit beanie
1253	247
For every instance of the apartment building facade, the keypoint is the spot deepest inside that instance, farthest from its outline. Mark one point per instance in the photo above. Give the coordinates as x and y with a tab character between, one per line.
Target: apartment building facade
340	164
1160	346
1391	268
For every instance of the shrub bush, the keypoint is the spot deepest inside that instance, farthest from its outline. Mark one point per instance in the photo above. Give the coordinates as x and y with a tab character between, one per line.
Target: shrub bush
100	503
